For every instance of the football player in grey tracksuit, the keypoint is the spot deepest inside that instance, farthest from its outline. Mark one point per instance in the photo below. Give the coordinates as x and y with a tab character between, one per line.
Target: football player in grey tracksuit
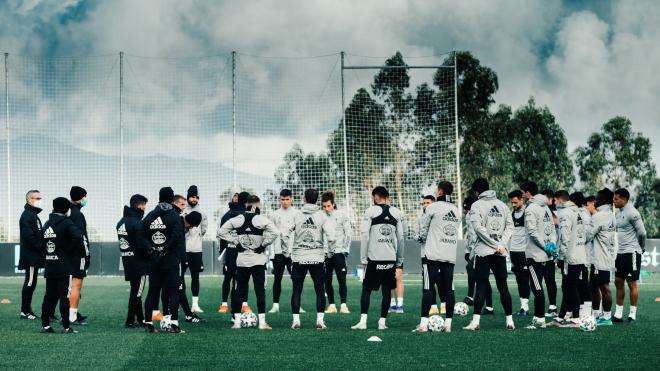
254	233
314	237
426	201
517	246
381	251
336	262
283	219
194	236
542	235
573	256
439	231
492	223
603	256
632	242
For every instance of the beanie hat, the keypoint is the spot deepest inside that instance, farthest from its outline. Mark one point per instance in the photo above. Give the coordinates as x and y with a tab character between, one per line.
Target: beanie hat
166	194
61	205
194	218
243	198
77	193
192	191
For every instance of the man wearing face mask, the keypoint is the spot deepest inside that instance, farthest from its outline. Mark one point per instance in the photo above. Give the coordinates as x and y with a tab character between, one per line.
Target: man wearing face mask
194	254
134	257
32	257
80	262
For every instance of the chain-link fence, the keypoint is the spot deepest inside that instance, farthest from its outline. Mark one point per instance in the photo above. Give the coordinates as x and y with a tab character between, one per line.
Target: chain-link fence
124	124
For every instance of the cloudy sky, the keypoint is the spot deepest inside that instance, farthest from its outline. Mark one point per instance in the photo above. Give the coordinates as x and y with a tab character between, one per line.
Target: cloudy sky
587	61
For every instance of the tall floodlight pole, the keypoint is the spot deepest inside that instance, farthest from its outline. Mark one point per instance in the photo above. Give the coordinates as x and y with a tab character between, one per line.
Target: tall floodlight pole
343	120
121	128
233	116
458	148
8	152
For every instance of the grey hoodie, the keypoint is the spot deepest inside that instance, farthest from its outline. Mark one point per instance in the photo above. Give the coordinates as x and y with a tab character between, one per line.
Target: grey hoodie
344	231
541	230
630	230
283	219
567	241
603	249
314	235
382	240
492	223
195	235
439	231
471	237
585	234
250	242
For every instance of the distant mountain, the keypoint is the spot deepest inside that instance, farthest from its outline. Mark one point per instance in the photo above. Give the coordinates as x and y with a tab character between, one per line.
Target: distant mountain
53	167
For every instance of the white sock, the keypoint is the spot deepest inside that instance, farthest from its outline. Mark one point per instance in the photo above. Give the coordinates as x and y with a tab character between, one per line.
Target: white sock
296	318
633	312
73	314
332	306
489	309
224	303
319	317
434	306
607	315
448	322
400	302
569	315
195	301
424	321
237	317
381	321
393	302
524	304
539	319
363	318
595	312
509	320
552	308
476	318
618	311
262	318
276	305
587	307
343	305
244	304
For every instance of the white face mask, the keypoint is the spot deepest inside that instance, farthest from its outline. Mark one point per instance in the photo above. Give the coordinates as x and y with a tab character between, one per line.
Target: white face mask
39	203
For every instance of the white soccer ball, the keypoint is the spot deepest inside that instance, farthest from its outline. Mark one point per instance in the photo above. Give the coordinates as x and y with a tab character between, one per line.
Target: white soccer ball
461	309
588	324
248	319
436	323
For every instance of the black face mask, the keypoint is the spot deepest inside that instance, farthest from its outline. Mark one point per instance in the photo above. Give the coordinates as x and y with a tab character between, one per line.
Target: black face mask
446	198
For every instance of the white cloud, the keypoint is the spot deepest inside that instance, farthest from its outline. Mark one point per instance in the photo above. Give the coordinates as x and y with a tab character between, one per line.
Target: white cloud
602	70
598	69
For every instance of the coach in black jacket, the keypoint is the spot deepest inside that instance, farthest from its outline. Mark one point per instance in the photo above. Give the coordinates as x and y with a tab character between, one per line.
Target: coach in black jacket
164	234
80	260
32	254
61	240
134	256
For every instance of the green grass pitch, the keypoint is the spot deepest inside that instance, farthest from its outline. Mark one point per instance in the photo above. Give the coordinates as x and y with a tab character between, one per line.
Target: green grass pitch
105	345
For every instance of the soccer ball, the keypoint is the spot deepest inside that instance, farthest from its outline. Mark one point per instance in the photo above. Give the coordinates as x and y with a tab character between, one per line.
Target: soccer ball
588	324
461	309
436	323
248	319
